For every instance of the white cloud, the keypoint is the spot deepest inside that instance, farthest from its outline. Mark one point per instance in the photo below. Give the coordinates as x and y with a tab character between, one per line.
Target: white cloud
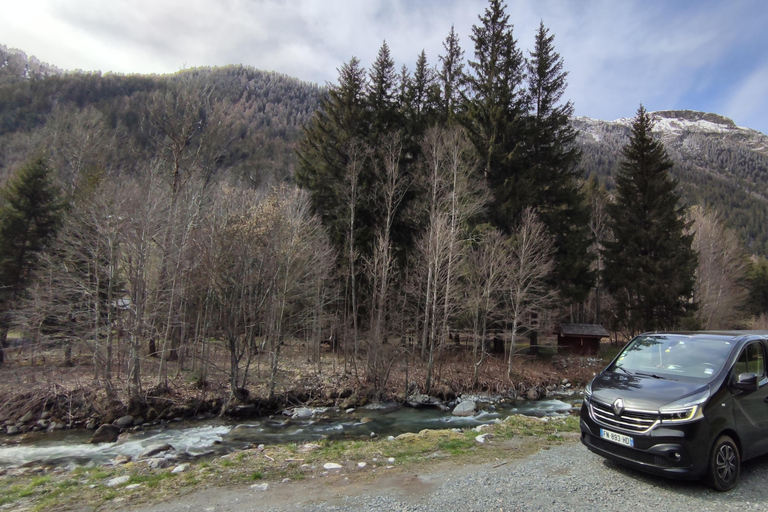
703	55
748	105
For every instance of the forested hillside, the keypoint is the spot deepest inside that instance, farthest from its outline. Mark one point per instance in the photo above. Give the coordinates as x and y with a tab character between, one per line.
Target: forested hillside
264	111
718	165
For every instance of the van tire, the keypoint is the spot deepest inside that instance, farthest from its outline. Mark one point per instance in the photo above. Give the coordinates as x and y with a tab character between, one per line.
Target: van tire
724	464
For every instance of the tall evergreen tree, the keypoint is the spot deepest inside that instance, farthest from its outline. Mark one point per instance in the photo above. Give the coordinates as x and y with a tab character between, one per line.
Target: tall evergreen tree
423	97
495	110
553	157
339	122
30	214
382	95
649	263
451	76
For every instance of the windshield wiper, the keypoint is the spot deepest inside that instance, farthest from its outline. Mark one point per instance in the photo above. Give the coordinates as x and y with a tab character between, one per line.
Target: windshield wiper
655	376
624	370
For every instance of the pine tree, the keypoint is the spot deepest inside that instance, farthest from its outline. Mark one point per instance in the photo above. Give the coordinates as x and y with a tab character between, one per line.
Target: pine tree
423	97
339	123
30	214
495	111
552	158
649	264
382	95
451	76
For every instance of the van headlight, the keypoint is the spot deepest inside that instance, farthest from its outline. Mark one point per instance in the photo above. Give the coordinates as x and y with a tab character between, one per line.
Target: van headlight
588	391
685	410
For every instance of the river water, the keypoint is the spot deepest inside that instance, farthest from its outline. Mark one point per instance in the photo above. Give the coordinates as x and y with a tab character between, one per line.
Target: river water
192	439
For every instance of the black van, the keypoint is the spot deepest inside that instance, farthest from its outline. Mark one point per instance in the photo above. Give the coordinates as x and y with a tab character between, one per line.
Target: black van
685	405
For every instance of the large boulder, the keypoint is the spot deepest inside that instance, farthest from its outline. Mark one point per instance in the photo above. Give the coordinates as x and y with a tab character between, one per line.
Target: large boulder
125	421
302	413
154	449
532	394
466	408
105	434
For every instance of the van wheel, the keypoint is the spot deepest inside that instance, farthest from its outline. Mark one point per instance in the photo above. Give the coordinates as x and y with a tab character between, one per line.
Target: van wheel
724	464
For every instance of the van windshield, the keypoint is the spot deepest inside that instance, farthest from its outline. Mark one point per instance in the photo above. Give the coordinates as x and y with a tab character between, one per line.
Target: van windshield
674	356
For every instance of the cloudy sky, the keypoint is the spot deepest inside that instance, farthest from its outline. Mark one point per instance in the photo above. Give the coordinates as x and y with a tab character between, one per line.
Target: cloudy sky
687	54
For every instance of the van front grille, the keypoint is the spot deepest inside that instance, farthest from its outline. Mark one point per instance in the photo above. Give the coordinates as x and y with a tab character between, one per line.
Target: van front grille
635	422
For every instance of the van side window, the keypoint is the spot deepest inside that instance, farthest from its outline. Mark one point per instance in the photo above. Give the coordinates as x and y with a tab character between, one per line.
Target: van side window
751	360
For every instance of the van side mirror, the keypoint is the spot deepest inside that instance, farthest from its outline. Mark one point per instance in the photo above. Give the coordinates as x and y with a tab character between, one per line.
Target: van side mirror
746	382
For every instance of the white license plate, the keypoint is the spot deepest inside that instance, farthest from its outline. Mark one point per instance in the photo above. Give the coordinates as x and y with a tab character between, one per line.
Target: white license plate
617	438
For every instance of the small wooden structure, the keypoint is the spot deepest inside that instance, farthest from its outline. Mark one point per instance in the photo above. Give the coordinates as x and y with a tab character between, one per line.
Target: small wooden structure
580	339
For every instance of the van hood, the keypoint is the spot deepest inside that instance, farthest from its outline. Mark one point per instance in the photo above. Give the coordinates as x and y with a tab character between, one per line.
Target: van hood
641	392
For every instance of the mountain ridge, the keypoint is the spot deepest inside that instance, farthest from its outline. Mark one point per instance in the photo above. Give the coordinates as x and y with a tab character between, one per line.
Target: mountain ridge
719	165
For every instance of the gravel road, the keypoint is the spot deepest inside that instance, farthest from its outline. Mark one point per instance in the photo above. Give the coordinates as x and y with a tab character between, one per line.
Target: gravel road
563	478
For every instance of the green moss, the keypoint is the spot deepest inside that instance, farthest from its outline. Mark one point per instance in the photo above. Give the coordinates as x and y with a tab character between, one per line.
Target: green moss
151	479
457	446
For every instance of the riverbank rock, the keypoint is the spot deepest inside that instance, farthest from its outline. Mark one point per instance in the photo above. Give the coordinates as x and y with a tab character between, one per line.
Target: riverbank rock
157	463
13	430
180	468
124	422
309	447
154	449
421	400
332	465
532	394
466	408
105	434
114	482
302	413
482	438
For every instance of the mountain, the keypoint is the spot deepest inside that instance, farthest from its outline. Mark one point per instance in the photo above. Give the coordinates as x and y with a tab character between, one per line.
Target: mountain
265	110
719	165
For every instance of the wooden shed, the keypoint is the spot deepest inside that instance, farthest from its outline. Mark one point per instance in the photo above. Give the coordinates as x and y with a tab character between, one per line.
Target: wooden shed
581	339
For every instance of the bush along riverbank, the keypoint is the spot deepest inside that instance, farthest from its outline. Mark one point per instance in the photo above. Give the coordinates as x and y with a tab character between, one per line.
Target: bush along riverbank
68	404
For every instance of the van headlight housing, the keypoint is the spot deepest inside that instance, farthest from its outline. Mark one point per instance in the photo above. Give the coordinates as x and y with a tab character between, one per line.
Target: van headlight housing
686	410
588	391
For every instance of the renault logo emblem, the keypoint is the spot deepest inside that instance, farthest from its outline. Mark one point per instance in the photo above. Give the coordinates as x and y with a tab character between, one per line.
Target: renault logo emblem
618	407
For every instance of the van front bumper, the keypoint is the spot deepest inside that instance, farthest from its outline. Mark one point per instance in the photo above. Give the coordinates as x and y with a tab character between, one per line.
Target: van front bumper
679	451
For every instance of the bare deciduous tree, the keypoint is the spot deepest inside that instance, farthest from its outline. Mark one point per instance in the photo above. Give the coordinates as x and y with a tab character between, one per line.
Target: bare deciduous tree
142	226
452	197
392	186
358	155
265	261
188	128
719	291
485	277
527	292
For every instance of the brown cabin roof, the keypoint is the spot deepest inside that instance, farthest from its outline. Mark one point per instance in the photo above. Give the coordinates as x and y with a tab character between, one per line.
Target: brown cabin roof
592	330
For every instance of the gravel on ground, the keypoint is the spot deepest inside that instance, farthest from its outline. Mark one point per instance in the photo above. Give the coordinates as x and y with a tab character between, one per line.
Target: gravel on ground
565	477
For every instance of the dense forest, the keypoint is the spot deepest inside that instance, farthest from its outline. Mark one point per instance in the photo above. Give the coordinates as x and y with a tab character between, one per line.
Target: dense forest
397	217
264	112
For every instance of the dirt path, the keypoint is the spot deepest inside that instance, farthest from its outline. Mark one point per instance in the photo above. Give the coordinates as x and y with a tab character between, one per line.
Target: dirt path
565	477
